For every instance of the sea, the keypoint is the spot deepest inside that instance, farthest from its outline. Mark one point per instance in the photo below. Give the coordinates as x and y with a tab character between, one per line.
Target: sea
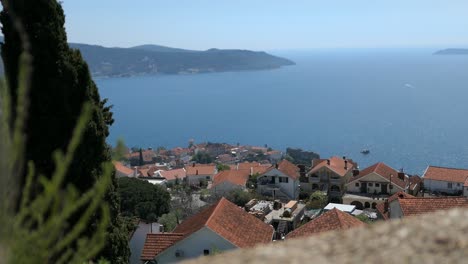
408	107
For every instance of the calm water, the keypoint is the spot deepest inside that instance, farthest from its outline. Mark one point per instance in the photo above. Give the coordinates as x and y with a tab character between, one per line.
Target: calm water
408	107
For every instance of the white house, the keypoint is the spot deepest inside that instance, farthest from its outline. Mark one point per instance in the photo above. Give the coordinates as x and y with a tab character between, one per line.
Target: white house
220	227
280	181
445	180
229	180
197	173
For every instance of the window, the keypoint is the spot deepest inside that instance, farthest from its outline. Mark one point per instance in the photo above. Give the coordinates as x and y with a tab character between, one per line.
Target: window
458	184
207	177
283	179
449	185
390	187
377	185
206	252
371	184
356	184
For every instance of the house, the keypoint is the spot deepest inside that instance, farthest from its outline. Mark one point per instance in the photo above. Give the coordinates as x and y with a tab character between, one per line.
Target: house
229	180
329	176
123	171
374	185
465	188
220	227
197	173
445	180
404	207
382	208
171	176
342	207
148	155
280	181
328	221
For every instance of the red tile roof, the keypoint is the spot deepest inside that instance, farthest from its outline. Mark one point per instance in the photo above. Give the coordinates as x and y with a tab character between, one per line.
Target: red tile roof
237	177
200	169
383	170
157	243
331	220
423	205
381	206
174	174
446	174
122	168
287	168
337	165
231	222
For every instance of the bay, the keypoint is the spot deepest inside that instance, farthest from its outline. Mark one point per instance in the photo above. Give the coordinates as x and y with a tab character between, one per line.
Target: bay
407	106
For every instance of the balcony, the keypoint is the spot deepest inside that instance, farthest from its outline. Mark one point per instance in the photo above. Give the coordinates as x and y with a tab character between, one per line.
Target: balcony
335	181
314	179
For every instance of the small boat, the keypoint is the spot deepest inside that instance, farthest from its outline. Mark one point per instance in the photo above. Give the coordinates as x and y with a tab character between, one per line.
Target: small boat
365	151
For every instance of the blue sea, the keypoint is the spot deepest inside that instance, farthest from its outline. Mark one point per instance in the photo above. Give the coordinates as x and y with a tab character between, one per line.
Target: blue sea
407	106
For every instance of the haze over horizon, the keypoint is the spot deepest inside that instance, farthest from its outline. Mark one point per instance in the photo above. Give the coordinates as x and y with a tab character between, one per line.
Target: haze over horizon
268	24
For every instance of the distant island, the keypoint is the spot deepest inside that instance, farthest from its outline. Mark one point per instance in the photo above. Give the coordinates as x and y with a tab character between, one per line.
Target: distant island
155	59
452	52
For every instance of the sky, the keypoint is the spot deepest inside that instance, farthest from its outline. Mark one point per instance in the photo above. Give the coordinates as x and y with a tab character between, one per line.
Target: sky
269	24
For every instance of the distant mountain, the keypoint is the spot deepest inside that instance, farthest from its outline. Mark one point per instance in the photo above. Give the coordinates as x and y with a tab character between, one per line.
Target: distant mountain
158	48
155	59
452	52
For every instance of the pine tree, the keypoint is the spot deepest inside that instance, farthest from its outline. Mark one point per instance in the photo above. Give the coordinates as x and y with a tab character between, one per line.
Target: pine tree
140	159
61	83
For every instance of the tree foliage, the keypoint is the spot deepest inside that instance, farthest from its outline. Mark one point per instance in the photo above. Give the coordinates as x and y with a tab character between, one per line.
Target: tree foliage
222	167
60	84
169	221
239	197
317	200
142	199
202	158
120	151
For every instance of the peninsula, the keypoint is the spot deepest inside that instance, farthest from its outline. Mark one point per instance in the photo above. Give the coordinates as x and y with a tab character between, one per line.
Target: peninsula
452	52
155	59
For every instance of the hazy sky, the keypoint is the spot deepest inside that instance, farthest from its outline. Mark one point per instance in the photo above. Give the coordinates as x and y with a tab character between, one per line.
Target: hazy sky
269	24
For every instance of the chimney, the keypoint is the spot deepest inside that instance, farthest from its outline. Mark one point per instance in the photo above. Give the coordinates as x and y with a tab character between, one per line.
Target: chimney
276	165
386	206
345	164
196	173
401	175
355	172
193	164
328	162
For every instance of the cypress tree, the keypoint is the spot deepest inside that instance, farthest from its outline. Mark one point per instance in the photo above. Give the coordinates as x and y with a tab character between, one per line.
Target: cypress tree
61	83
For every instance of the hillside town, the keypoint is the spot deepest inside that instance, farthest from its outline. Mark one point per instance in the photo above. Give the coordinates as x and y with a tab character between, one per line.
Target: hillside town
243	196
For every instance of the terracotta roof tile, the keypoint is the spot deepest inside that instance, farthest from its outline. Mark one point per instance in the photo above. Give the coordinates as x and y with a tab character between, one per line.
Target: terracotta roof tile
383	170
381	206
230	222
237	177
446	174
331	220
174	174
287	168
423	205
157	243
200	169
337	165
122	168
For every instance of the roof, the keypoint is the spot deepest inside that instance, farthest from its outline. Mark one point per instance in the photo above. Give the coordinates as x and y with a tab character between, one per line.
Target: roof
446	174
200	169
122	168
237	177
383	170
328	221
466	183
337	165
422	205
342	207
231	222
174	174
381	206
157	243
287	168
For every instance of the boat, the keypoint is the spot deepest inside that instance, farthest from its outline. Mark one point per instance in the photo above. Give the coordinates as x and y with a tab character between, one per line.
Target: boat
365	151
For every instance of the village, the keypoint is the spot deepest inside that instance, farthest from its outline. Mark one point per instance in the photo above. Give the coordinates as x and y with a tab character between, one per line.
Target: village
243	196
